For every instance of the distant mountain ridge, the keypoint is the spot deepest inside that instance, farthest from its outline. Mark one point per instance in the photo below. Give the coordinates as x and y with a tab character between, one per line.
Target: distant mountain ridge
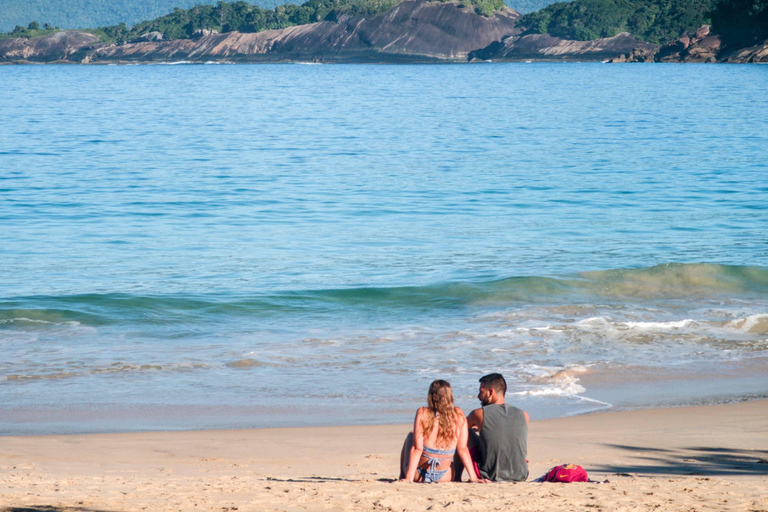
102	13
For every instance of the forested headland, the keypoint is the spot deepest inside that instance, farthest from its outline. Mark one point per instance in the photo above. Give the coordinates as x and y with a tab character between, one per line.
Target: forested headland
739	23
655	21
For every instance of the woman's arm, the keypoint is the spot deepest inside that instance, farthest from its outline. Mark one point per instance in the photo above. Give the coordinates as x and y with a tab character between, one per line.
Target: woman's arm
417	449
463	451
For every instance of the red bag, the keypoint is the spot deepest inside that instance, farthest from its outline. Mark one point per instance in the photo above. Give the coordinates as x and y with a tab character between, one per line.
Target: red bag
565	473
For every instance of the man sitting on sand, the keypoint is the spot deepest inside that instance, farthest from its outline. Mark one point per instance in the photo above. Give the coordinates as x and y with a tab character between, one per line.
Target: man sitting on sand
498	434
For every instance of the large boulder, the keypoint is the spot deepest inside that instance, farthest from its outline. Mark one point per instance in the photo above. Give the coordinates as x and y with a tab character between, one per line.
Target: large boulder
704	46
59	46
757	54
546	47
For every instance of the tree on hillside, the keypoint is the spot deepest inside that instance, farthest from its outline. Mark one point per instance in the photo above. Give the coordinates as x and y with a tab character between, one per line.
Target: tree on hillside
656	21
741	22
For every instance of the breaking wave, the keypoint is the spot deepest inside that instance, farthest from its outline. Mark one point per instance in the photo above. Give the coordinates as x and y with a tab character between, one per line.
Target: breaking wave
663	282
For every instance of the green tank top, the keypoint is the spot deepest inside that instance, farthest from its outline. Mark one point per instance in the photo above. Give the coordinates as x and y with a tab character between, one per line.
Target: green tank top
504	443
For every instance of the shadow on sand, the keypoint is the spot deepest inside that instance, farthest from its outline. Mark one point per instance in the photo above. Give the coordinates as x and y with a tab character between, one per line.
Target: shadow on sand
690	461
48	508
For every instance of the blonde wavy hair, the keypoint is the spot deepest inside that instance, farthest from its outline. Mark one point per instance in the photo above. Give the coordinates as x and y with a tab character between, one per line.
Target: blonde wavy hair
440	403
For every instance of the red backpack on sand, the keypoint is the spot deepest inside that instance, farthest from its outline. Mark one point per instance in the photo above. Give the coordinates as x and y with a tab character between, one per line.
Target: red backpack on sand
565	473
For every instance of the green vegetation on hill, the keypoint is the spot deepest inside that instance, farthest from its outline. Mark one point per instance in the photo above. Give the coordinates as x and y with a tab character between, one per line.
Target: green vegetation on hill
96	13
244	17
741	22
656	21
32	30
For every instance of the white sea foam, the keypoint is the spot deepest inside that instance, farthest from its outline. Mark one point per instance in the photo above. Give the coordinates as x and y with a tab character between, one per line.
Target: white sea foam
24	320
544	381
607	324
755	324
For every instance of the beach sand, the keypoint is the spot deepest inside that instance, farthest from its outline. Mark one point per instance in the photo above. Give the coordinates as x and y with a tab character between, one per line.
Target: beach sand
686	459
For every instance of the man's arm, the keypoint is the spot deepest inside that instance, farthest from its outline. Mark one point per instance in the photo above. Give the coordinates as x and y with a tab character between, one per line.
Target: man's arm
475	419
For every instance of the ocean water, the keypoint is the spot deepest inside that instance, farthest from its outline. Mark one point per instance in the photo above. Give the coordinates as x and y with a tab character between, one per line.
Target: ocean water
231	246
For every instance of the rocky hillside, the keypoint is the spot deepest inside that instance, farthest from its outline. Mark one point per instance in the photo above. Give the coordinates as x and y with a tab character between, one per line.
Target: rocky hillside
703	46
547	47
412	31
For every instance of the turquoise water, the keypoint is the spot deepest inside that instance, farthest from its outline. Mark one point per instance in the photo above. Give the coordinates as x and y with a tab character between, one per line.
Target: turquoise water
259	245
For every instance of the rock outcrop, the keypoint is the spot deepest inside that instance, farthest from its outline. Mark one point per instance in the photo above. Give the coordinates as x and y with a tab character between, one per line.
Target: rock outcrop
413	30
58	47
757	54
704	46
546	47
701	47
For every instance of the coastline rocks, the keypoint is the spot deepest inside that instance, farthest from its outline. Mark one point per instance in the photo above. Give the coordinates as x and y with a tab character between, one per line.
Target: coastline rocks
752	55
636	56
546	47
58	47
412	31
702	47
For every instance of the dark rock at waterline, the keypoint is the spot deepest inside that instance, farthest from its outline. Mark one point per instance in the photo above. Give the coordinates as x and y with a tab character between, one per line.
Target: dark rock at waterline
546	47
703	46
757	54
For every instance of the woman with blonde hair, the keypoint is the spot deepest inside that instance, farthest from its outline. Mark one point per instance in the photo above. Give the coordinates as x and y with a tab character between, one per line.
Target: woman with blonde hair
439	433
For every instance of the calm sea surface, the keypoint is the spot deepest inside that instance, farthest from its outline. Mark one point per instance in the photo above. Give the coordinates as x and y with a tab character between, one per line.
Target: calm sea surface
199	246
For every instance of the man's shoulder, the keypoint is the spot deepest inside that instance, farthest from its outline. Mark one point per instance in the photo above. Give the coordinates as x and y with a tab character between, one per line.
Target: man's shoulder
476	412
504	411
475	418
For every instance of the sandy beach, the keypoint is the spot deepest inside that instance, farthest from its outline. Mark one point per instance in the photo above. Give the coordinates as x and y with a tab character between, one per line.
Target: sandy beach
686	459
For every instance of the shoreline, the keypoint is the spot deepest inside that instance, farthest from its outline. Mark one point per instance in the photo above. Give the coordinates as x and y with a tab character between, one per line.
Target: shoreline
282	423
700	458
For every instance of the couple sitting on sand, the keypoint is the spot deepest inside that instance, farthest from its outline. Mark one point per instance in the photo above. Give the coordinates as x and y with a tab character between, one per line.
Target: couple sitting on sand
491	442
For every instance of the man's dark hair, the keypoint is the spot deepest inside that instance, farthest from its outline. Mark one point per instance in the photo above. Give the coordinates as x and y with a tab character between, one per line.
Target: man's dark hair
496	382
